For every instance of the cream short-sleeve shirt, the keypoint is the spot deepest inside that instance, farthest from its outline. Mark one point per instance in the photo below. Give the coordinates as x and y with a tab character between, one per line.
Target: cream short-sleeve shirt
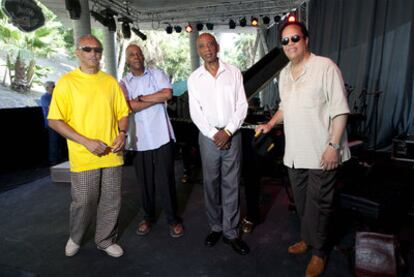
309	104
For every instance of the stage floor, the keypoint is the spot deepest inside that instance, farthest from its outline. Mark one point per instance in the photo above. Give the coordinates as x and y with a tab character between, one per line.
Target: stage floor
34	230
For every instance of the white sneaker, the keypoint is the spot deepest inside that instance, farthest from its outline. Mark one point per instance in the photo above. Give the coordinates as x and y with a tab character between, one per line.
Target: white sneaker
113	250
71	248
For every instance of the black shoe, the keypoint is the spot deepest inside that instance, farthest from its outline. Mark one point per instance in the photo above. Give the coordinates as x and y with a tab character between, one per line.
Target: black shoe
238	245
212	238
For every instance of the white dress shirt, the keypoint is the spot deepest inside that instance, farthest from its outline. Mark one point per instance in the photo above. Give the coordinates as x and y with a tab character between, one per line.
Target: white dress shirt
217	102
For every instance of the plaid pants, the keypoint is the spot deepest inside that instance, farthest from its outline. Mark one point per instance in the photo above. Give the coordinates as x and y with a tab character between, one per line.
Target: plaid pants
97	192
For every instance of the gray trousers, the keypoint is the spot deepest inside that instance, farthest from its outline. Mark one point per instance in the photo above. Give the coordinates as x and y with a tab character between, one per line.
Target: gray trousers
96	192
221	175
313	191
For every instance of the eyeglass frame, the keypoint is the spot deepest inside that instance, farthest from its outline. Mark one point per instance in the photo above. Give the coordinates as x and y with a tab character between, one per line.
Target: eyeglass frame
295	39
88	49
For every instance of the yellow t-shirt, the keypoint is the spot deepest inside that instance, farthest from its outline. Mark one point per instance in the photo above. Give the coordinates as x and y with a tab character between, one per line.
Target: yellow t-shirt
92	104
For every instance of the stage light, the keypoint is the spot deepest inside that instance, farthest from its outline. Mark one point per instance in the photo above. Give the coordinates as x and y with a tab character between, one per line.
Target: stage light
111	24
210	26
199	26
254	21
110	20
139	33
188	28
74	8
126	30
232	24
100	18
291	18
266	20
169	29
243	22
177	28
277	18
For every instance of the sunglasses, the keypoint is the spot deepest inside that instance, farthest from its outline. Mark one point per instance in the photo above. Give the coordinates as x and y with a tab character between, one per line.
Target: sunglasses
294	39
88	49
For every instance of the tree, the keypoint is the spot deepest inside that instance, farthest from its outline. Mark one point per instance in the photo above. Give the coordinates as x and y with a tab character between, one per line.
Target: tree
243	55
169	52
22	48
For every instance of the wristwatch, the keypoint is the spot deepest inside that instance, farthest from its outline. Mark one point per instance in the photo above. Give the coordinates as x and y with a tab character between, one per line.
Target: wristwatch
124	131
335	146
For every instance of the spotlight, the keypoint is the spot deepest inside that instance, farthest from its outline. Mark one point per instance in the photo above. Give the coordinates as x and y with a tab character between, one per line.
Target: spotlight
210	26
266	20
126	30
177	28
111	24
110	20
188	28
98	17
254	21
169	29
243	22
291	18
199	26
277	18
232	24
139	33
74	8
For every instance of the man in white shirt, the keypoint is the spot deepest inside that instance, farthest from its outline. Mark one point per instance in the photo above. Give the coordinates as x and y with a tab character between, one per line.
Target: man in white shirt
218	107
314	110
152	139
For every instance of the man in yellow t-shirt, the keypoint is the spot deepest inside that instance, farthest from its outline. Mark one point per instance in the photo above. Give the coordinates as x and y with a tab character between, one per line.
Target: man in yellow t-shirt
89	109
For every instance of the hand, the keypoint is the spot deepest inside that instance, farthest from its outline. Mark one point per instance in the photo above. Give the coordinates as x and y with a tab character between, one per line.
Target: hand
96	146
221	138
330	159
226	146
119	143
263	128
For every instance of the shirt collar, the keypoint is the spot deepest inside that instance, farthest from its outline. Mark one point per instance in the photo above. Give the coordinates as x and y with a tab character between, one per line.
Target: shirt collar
222	68
130	76
305	66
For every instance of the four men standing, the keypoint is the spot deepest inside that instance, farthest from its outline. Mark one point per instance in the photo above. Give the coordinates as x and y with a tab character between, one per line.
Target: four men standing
313	108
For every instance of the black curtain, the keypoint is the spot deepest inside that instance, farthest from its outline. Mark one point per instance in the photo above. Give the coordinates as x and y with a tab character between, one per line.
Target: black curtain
372	42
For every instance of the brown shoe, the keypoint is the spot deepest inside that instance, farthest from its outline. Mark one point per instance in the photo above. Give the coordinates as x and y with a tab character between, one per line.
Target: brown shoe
298	248
144	227
316	266
176	230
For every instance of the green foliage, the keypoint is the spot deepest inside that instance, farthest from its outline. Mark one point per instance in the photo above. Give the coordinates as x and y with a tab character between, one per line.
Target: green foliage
169	52
22	48
242	54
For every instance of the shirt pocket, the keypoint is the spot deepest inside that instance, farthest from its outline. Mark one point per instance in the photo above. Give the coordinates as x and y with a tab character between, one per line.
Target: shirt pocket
310	97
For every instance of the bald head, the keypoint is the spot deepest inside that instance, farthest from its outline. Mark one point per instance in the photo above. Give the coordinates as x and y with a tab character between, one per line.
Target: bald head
85	39
207	47
207	36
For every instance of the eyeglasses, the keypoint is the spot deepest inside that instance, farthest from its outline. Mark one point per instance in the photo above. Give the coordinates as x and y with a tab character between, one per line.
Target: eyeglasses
294	39
88	49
